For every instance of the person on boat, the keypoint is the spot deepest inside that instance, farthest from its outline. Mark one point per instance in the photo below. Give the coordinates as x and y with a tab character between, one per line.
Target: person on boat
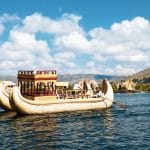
57	96
76	86
99	94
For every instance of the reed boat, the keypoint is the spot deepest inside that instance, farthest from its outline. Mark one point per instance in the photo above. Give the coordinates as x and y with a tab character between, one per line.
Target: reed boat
38	92
25	106
5	91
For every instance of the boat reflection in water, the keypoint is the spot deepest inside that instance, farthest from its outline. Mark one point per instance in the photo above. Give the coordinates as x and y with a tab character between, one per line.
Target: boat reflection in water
60	130
4	115
35	123
33	131
109	125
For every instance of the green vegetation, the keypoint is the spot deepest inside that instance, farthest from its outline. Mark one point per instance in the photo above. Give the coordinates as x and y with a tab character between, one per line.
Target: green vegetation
143	87
122	88
143	84
142	80
114	86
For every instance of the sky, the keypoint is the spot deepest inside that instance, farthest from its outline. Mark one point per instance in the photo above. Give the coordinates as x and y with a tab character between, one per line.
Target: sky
72	36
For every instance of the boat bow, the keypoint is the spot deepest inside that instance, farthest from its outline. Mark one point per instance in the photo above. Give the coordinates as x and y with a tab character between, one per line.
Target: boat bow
5	91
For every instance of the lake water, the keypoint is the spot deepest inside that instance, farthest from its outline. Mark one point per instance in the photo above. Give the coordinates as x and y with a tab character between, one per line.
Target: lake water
114	128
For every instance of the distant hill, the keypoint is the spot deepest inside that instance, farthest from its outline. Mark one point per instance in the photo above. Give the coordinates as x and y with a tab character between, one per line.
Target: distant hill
76	77
142	74
8	78
73	77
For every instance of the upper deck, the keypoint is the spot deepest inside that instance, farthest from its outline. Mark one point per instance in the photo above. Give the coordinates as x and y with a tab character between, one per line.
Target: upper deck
37	75
38	84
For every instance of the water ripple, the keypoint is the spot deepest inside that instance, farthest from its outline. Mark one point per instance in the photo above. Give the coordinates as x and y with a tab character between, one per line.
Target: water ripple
114	128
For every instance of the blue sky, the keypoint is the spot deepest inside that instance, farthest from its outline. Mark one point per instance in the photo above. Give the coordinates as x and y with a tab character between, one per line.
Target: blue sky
95	12
74	36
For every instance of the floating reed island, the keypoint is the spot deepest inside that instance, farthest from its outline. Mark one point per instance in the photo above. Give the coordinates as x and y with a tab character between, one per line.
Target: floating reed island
38	92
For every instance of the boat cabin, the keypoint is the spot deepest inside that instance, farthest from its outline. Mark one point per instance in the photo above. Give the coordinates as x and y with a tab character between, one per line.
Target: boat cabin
38	85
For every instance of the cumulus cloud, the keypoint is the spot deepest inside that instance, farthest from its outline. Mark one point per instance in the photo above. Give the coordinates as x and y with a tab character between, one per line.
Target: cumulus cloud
126	42
65	60
120	70
24	51
64	57
39	23
5	18
74	41
9	18
139	57
1	28
119	50
124	36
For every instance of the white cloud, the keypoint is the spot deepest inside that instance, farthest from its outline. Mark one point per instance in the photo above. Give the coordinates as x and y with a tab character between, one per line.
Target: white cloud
120	70
90	64
65	59
140	57
99	58
136	26
39	23
5	18
24	51
74	41
1	28
128	41
119	50
124	41
9	18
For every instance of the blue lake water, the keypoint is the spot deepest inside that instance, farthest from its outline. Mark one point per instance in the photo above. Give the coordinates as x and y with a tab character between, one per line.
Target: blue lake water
114	128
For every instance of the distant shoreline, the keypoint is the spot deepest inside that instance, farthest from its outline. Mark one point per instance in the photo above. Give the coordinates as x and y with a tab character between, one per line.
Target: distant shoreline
131	92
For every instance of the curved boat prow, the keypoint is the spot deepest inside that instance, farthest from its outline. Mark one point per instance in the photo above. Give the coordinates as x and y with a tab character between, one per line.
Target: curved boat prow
5	91
107	90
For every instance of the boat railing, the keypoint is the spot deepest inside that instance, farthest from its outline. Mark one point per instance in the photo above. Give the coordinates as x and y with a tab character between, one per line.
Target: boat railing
38	93
71	94
34	72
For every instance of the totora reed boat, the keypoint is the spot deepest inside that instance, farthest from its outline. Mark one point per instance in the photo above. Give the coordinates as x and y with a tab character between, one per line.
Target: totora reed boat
39	93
